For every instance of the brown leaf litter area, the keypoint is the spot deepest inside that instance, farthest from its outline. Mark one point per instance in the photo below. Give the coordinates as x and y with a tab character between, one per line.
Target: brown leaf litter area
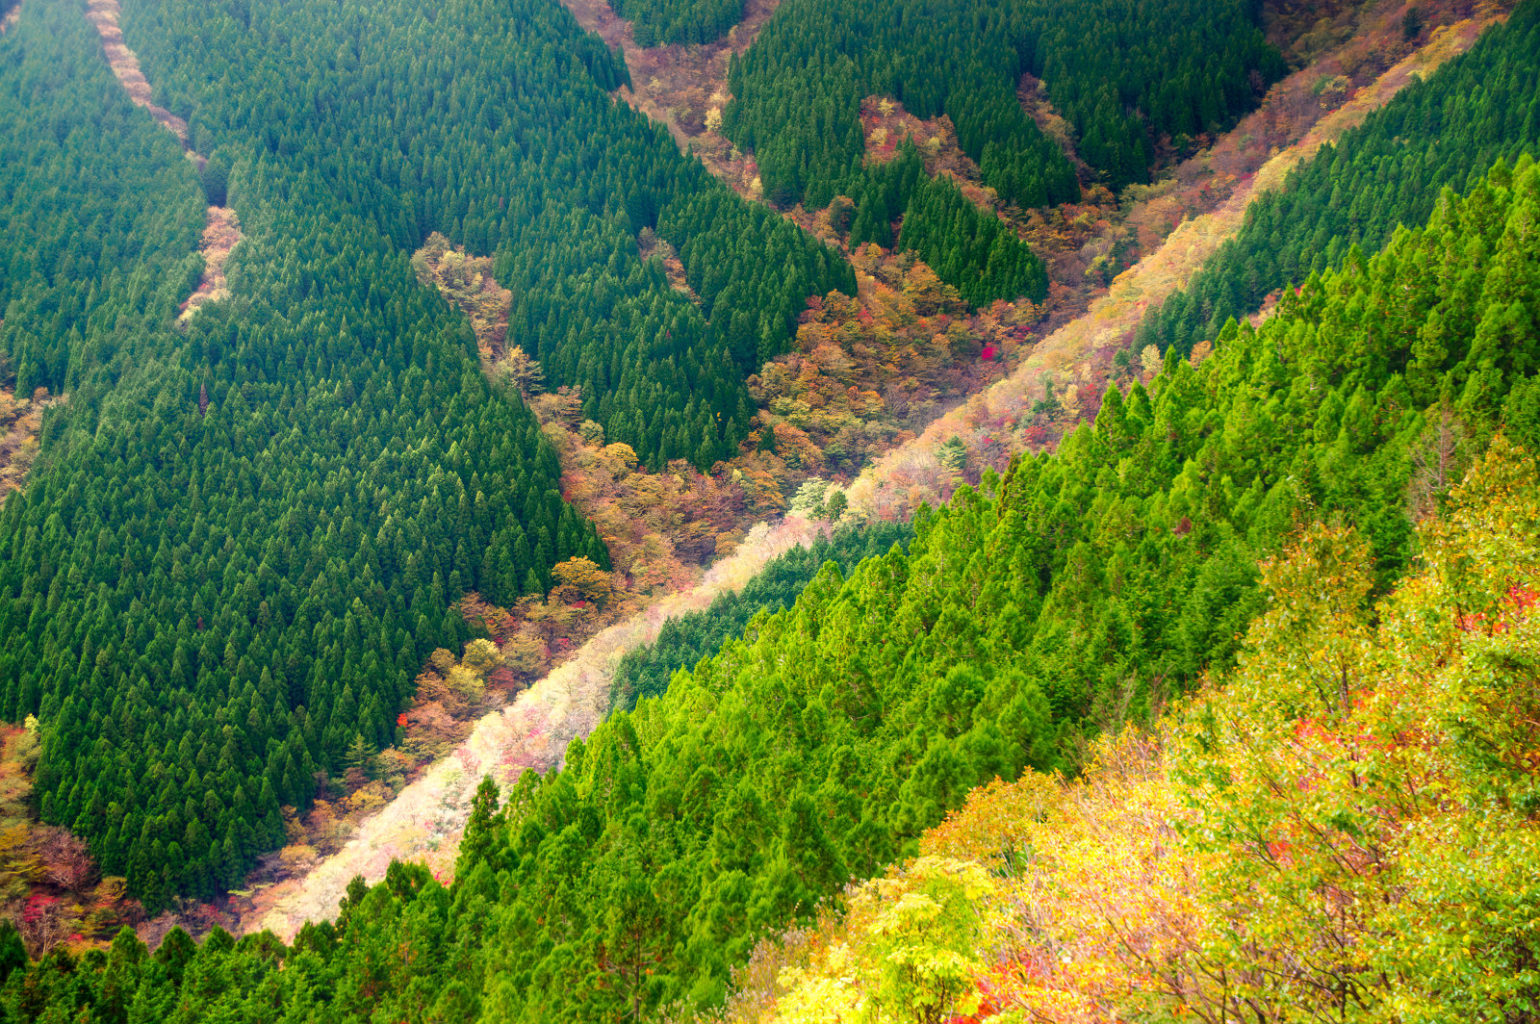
650	244
466	280
221	233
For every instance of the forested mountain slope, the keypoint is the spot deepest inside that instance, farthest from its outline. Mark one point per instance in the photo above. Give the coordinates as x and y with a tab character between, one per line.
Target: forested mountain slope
493	127
680	21
1070	593
248	529
797	93
96	245
1124	74
414	825
1342	827
242	537
295	486
684	641
974	251
1445	131
1095	581
685	88
1019	412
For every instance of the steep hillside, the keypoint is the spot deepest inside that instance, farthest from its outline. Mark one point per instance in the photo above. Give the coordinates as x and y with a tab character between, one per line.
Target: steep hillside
555	187
1097	582
1058	380
222	227
1123	74
1440	134
1079	590
686	640
101	224
421	822
866	374
411	329
265	556
1342	827
681	21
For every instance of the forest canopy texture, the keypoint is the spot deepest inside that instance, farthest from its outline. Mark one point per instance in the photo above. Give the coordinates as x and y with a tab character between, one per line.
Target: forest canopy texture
245	533
1445	131
680	21
686	639
1072	591
1126	74
492	125
248	527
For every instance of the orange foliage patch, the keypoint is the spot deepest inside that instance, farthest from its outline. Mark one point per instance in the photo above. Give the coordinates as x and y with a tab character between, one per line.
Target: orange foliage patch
49	885
20	421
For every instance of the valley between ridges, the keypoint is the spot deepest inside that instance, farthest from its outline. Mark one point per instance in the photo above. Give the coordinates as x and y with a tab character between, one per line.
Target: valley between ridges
423	821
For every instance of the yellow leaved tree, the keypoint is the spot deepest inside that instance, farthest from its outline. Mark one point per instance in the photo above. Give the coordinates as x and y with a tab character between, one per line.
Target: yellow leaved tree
909	956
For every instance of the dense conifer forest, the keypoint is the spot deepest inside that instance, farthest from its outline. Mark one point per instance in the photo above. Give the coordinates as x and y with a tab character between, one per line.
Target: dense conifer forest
680	21
1444	132
969	249
246	532
493	127
684	641
97	253
1071	592
1222	706
1126	75
1129	78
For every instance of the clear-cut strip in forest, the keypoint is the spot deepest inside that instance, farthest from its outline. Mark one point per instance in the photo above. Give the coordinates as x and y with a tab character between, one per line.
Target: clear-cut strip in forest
222	229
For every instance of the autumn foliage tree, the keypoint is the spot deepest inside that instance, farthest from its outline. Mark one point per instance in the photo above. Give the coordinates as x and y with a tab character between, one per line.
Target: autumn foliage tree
584	580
